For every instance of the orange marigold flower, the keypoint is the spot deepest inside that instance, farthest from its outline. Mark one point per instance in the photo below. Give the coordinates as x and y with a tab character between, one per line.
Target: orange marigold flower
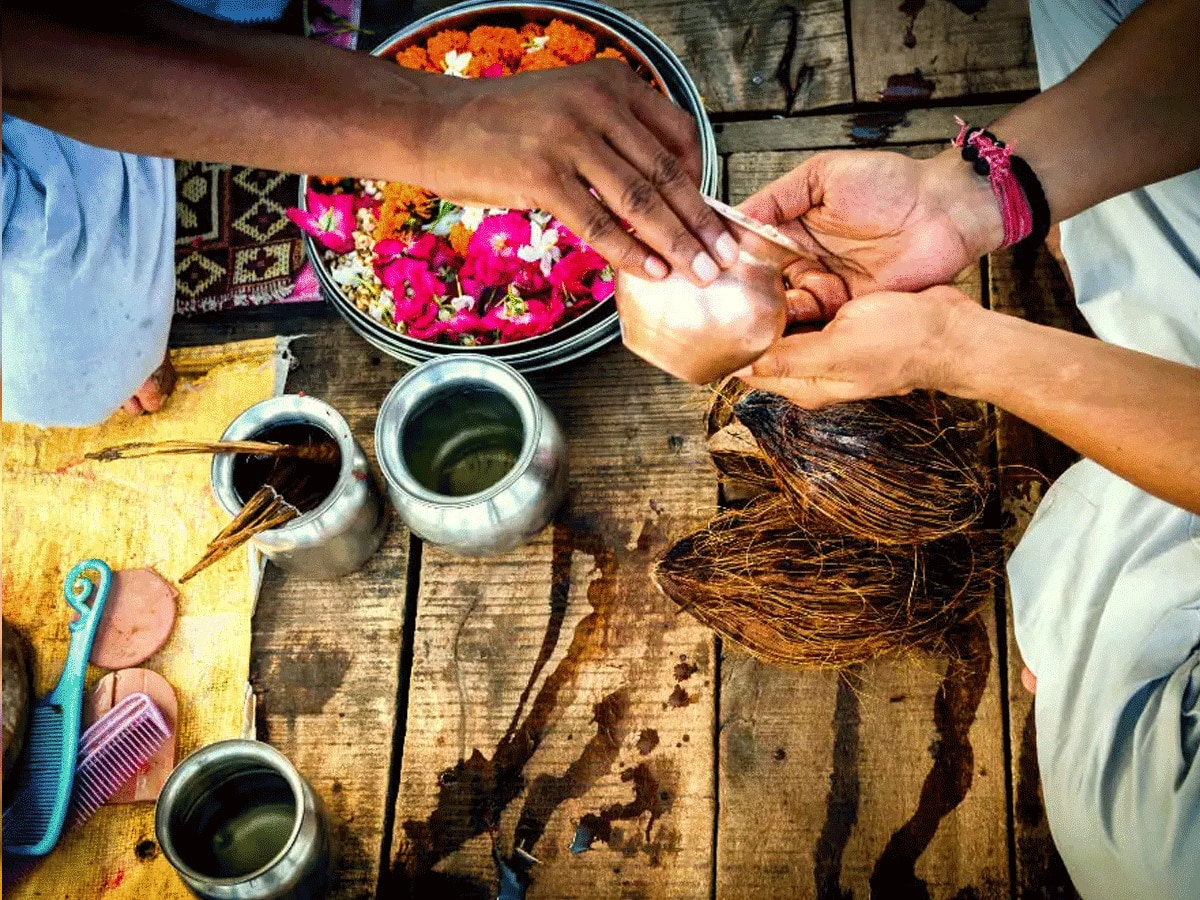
481	60
611	53
540	59
443	42
414	58
329	180
530	30
569	43
503	44
460	238
404	206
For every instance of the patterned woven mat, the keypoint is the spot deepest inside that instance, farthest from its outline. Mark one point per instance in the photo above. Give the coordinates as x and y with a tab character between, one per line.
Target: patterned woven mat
234	246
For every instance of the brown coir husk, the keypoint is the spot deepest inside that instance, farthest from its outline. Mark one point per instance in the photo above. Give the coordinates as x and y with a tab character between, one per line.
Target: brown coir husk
896	470
819	599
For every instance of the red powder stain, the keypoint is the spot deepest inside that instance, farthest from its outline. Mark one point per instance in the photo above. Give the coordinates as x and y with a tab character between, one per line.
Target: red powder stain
360	476
301	394
66	467
114	881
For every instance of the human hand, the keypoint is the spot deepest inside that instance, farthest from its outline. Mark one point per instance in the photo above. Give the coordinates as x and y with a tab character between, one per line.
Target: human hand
154	390
542	139
877	221
878	345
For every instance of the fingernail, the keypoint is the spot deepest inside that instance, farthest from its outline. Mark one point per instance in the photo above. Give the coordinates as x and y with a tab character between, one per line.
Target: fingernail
704	267
656	268
744	373
727	249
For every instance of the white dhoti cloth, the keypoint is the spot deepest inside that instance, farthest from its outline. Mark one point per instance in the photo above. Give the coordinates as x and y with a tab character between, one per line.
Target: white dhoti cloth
1106	581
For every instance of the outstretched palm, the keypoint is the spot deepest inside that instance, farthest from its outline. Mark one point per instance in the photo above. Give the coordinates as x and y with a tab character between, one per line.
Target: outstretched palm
876	220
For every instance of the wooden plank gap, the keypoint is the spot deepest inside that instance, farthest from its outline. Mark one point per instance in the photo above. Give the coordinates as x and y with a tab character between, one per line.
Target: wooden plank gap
383	883
875	126
718	651
850	49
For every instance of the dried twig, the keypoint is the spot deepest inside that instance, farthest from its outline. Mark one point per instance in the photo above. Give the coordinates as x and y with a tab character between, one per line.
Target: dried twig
288	492
266	510
326	452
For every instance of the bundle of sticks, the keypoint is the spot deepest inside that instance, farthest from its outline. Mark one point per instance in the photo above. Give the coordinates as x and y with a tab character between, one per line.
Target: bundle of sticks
288	491
854	535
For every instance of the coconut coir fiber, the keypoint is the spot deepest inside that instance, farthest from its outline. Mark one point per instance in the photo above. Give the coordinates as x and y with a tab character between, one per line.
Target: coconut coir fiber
862	543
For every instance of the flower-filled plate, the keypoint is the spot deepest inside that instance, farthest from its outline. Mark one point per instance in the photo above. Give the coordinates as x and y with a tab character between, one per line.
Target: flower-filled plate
417	275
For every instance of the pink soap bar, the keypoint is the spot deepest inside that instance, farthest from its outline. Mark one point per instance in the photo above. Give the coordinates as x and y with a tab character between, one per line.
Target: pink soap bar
136	621
116	686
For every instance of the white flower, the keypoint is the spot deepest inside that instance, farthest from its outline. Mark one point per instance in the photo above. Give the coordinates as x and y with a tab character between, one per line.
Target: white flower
347	270
472	217
461	302
456	63
538	43
540	248
448	216
539	217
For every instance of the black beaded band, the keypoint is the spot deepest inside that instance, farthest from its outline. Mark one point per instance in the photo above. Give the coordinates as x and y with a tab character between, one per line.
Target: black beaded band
1037	202
1023	172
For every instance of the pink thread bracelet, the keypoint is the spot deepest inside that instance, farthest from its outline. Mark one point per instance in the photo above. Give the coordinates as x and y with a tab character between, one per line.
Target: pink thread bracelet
1019	211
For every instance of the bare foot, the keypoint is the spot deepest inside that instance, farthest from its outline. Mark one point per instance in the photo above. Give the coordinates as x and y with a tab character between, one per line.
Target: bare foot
154	390
1029	680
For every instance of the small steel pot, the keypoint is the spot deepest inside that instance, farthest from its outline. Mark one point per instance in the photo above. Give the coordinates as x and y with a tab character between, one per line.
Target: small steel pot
702	334
474	461
343	532
238	822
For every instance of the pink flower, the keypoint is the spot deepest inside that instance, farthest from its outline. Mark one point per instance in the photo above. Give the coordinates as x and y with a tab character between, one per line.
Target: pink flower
434	250
575	272
602	289
306	287
499	236
495	70
365	201
485	270
415	289
465	321
427	332
530	280
388	249
517	318
567	239
329	218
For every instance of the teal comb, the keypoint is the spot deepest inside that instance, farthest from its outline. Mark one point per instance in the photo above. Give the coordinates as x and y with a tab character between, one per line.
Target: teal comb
34	821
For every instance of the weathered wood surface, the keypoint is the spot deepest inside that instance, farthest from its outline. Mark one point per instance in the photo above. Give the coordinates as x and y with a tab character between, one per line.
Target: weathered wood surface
873	128
888	781
1029	460
756	56
558	702
912	51
325	656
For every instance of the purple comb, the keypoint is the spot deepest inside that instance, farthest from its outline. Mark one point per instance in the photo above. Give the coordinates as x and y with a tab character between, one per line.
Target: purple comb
112	751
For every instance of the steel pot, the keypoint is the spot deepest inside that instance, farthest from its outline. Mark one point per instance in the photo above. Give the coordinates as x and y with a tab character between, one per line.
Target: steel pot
342	533
474	461
238	822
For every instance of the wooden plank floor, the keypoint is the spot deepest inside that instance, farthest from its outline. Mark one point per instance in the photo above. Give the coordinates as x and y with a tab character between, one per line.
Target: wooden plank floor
547	716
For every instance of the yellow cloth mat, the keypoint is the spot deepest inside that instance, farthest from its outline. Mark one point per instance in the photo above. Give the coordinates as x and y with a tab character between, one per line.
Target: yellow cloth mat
157	512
